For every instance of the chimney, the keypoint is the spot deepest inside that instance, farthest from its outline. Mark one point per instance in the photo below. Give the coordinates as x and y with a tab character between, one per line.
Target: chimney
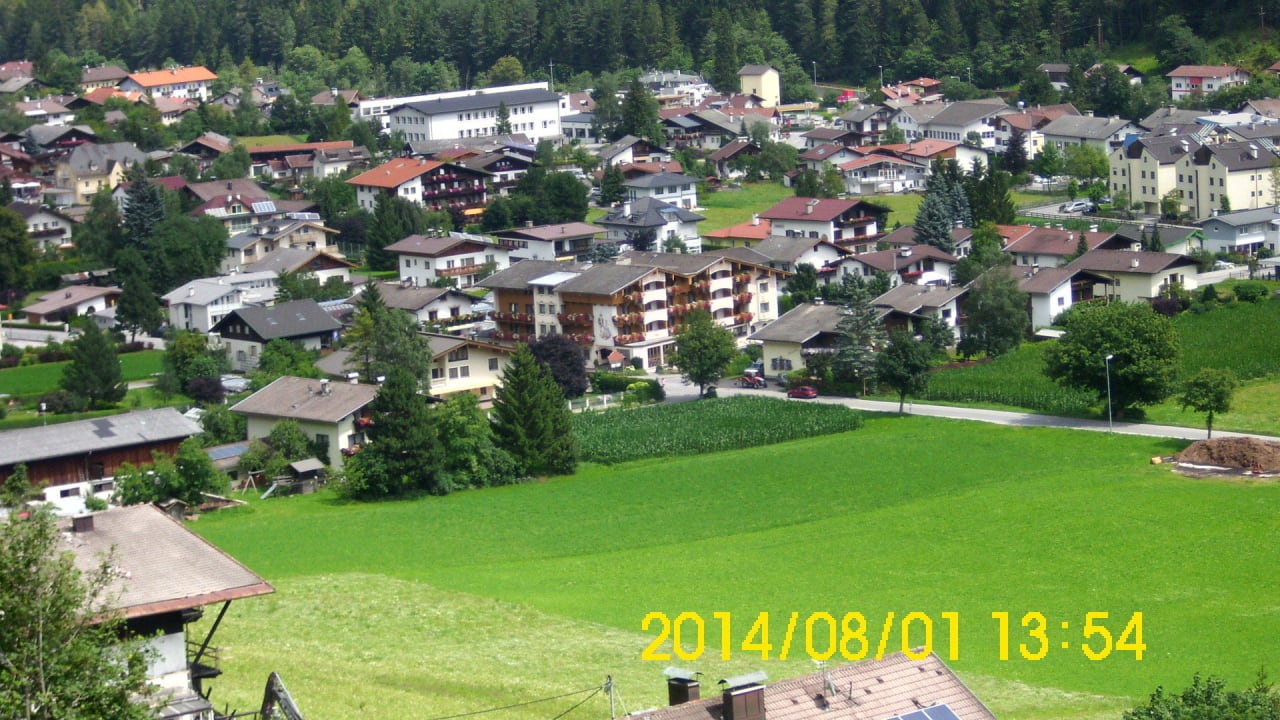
744	697
191	291
68	293
1088	113
324	386
528	223
1093	228
626	209
1135	247
682	686
1133	263
353	378
1071	237
755	220
82	523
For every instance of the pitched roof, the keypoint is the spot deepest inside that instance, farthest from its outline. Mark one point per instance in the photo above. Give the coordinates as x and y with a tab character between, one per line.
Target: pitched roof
1130	262
914	298
299	398
244	187
160	78
801	324
1202	71
519	275
754	229
297	318
17	68
158	565
103	73
1166	149
395	173
1237	156
755	69
876	159
292	259
893	260
660	179
414	297
822	152
552	232
307	147
965	112
885	689
780	248
482	100
1054	242
604	279
731	149
203	291
84	436
1169	116
1085	126
823	209
1238	218
648	212
94	158
68	297
429	246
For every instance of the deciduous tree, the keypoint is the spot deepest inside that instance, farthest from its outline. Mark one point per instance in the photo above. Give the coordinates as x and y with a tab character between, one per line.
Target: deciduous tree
1209	698
904	365
566	360
703	350
17	254
997	315
1209	391
1143	346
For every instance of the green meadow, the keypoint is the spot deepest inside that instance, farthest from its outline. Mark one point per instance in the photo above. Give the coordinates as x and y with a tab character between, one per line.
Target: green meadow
28	380
430	607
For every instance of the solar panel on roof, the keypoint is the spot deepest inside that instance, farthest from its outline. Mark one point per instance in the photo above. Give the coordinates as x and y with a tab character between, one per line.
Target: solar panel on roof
266	206
941	712
222	453
917	715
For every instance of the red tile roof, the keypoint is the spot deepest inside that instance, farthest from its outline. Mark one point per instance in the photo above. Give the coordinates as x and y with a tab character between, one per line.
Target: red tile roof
292	148
749	230
395	173
796	208
1199	71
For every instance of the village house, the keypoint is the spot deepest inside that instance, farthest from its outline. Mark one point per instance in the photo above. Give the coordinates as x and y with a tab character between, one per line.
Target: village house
1054	290
879	174
1147	169
1137	275
635	305
671	188
1187	80
805	330
729	158
970	121
648	223
461	257
531	109
60	306
466	365
442	307
559	241
199	304
72	460
915	264
316	262
1238	171
761	82
817	159
869	122
1105	134
906	306
332	414
162	576
187	82
744	235
431	184
788	253
1049	247
90	167
45	111
841	221
631	149
1243	232
244	332
305	231
48	229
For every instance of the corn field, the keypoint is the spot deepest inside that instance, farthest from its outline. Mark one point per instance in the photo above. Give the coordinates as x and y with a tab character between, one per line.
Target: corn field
1017	379
703	426
1241	337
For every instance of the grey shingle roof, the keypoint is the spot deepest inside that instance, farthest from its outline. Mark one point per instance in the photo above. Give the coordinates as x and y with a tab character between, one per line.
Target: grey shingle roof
290	259
679	263
307	399
786	249
1128	261
94	158
1236	156
963	113
1083	126
604	279
482	101
159	565
914	298
83	436
648	212
205	290
297	318
518	276
801	324
1239	218
660	179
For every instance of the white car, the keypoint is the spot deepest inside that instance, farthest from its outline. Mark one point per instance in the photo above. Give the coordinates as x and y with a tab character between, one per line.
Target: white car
1075	206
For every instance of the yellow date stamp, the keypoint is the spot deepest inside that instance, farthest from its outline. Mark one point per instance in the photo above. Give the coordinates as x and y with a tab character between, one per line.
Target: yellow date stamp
855	636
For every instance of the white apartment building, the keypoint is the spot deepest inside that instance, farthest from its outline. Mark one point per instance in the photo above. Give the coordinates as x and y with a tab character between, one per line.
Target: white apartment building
532	110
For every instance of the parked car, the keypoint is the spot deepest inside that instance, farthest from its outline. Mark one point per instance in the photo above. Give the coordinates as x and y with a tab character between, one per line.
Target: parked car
804	392
1077	206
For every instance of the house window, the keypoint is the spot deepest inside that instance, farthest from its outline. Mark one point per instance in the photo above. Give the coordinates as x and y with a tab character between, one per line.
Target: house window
436	373
493	364
322	445
459	354
453	373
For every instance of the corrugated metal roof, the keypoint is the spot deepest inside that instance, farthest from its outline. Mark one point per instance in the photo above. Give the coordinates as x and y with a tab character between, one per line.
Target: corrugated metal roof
28	445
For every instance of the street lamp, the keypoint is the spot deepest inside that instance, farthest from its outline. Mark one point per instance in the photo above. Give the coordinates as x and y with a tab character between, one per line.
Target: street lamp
815	76
1110	421
881	75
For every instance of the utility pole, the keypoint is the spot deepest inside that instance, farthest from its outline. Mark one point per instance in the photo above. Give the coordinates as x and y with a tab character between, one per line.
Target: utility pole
1099	33
553	75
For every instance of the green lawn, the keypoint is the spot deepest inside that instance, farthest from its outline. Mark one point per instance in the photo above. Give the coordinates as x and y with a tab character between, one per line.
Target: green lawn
490	597
723	208
252	141
39	379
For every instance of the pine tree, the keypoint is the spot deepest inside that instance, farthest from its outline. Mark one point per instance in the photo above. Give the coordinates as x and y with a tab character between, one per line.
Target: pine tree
17	254
503	125
611	190
933	220
6	192
138	308
530	418
94	371
861	336
402	437
1014	159
143	210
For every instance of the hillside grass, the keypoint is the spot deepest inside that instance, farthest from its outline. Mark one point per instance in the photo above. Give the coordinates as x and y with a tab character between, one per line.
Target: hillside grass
727	207
485	598
28	380
1236	336
253	141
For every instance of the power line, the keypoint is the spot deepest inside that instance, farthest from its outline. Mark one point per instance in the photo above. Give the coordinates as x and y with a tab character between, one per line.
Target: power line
592	690
577	705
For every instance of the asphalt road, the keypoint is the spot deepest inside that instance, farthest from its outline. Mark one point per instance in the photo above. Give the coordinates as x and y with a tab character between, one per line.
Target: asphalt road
1004	417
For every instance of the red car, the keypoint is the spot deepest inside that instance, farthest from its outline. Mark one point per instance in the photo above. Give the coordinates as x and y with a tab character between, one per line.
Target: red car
805	392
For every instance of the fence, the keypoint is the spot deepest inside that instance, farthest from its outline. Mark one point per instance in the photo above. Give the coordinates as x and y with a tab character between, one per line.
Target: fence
596	402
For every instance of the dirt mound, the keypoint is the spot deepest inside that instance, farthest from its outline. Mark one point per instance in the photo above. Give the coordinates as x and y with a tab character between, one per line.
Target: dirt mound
1245	453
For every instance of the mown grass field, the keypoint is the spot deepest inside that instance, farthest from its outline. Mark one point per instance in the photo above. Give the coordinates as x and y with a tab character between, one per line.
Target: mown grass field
38	379
446	605
1237	336
723	208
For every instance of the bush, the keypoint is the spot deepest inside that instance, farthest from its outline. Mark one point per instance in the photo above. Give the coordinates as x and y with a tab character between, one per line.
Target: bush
637	363
62	402
206	390
1166	306
1209	294
1251	291
606	382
